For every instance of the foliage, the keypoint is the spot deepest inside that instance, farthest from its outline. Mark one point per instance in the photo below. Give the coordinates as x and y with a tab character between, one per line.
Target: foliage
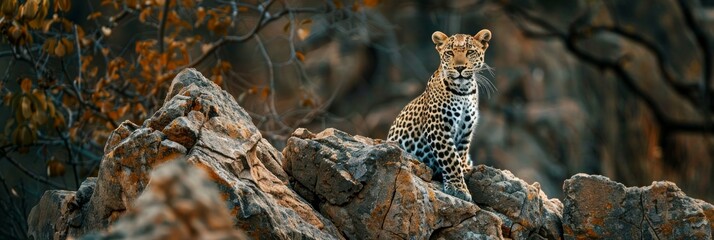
69	81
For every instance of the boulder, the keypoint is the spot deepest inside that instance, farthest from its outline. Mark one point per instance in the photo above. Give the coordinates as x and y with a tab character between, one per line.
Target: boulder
596	207
204	124
174	206
525	210
374	190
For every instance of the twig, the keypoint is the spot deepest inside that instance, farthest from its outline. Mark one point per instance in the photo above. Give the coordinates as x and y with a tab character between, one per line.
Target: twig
18	226
77	82
262	22
71	156
32	175
162	29
271	82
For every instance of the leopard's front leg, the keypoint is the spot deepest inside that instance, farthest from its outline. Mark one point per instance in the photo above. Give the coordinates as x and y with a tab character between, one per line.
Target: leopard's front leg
449	163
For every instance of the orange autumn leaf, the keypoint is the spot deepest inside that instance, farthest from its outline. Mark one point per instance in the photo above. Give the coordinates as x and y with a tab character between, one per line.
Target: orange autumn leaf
26	85
371	3
94	15
62	5
300	56
265	93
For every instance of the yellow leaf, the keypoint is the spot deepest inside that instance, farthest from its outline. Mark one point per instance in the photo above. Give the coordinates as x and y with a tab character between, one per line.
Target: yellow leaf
55	168
113	115
371	3
94	15
200	16
188	3
205	47
59	121
35	12
303	33
68	46
39	118
8	8
265	93
50	107
62	5
300	56
106	31
144	14
48	24
30	10
122	110
18	34
26	107
40	98
60	50
49	46
26	85
217	79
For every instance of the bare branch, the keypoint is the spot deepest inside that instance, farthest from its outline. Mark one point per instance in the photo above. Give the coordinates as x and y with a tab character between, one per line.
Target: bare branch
32	175
264	19
162	28
271	82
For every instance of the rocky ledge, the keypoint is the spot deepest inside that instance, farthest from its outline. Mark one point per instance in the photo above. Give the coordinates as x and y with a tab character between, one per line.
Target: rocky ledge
200	169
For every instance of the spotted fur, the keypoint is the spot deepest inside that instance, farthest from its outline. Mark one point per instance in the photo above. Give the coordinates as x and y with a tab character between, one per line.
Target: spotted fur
437	126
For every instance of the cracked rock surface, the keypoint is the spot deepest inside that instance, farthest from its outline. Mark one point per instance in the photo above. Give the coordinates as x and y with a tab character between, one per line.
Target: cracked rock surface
205	125
373	190
596	207
525	210
175	207
201	168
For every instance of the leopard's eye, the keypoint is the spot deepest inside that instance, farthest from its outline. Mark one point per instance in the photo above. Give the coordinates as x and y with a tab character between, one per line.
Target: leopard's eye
450	53
469	52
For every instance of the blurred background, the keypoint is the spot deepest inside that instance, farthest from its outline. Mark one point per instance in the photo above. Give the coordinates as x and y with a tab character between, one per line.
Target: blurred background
617	88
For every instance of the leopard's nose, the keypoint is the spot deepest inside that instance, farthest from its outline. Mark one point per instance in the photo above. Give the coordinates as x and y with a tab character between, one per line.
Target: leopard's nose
460	68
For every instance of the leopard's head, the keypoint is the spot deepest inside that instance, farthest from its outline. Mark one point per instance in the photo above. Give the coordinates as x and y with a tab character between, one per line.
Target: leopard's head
462	59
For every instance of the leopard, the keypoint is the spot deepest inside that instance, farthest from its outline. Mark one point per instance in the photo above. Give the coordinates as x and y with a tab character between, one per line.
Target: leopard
437	126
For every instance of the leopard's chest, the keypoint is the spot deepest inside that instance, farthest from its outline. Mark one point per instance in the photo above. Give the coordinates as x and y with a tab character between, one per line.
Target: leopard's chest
465	116
459	114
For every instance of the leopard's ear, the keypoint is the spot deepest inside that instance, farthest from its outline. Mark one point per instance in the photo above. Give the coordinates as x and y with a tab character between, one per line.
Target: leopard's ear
483	37
439	38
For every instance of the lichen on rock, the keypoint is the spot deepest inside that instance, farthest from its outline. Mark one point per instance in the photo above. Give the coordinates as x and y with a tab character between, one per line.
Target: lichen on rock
596	207
374	190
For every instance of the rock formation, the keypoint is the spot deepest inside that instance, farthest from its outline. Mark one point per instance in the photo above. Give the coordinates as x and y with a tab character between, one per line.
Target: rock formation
327	185
374	190
174	206
596	207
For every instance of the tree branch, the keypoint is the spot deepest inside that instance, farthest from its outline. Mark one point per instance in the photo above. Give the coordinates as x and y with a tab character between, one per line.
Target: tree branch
263	20
162	28
32	175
